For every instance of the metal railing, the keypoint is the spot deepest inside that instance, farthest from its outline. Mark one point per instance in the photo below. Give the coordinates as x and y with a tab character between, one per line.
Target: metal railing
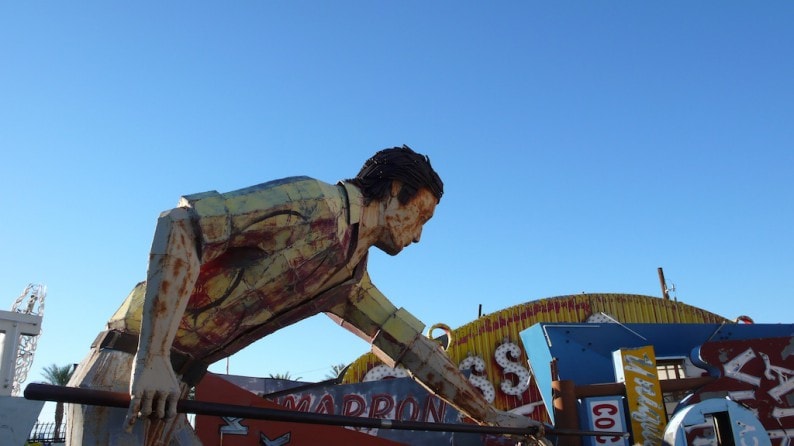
44	434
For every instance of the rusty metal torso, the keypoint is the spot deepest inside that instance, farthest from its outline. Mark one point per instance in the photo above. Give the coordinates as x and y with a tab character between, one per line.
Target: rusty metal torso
265	250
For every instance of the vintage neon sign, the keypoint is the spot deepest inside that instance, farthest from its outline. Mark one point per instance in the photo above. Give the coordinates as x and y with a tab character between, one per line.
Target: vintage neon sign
636	368
759	373
604	414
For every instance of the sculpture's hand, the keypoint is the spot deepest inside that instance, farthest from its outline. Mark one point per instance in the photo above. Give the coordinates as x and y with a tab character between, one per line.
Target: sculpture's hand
154	388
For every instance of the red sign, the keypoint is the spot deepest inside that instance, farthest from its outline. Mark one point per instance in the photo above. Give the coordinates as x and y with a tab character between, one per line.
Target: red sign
242	432
757	373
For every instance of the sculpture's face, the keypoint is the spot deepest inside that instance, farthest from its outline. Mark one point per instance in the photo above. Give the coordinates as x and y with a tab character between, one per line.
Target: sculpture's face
403	222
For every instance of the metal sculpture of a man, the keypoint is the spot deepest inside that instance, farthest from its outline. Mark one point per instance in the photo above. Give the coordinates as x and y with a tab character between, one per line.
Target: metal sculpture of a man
228	269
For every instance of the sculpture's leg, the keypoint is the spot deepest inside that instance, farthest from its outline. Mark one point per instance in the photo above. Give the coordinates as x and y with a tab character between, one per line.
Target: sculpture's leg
103	369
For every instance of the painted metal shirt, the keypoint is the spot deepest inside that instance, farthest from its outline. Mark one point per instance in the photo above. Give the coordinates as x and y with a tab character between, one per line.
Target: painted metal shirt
266	251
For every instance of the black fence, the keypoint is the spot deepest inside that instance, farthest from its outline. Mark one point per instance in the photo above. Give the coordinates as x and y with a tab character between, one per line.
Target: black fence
44	434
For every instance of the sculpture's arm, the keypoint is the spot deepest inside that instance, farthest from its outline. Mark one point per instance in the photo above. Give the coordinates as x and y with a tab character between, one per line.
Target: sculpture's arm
397	339
173	270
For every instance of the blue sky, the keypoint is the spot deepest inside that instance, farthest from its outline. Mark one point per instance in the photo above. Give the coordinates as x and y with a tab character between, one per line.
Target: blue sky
582	145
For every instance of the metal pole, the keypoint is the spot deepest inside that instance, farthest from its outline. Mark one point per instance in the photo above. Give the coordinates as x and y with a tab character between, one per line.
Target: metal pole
665	294
75	395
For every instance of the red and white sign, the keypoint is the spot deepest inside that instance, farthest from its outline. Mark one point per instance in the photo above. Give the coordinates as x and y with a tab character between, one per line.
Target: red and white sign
604	414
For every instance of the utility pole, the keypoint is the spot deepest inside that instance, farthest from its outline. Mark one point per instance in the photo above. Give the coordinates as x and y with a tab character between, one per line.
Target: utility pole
665	294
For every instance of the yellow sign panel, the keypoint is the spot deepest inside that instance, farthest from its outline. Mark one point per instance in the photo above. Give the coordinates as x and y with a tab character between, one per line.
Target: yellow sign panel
636	367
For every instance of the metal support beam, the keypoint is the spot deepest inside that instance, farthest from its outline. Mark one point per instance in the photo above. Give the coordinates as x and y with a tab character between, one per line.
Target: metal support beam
565	410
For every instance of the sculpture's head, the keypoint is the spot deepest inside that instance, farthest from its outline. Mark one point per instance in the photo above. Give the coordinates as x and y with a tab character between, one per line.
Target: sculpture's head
402	164
407	189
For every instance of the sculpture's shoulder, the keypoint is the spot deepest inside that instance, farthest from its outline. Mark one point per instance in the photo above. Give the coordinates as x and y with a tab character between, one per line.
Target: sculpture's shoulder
300	184
275	187
268	211
270	196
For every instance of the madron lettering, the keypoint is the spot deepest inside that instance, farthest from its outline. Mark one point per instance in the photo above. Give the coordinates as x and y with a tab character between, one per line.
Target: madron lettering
383	405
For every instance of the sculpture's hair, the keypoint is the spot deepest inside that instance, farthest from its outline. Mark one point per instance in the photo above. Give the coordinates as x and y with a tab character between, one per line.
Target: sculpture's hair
412	169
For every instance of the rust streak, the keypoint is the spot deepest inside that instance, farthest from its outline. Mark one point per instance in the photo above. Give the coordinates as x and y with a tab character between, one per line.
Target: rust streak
165	286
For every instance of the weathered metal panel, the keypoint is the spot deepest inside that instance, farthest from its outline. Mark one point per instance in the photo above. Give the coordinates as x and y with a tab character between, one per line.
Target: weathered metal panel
636	368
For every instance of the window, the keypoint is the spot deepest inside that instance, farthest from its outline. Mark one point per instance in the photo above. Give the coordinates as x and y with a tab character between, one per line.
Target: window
669	369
